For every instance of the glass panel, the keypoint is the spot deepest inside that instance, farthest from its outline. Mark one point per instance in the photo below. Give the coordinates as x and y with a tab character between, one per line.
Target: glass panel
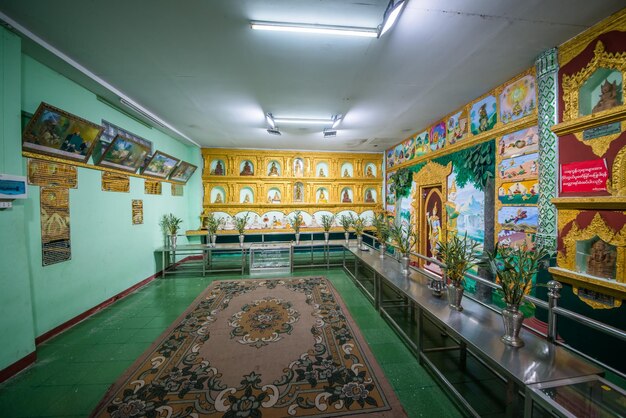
596	258
589	399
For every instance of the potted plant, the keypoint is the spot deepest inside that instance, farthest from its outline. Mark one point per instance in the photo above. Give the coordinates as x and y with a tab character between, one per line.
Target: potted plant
459	255
381	224
170	225
213	225
346	223
327	224
404	243
358	224
240	226
514	269
296	223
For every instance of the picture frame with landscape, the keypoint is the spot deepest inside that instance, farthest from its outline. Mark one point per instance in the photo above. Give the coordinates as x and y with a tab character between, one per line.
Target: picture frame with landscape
57	133
183	172
124	154
160	165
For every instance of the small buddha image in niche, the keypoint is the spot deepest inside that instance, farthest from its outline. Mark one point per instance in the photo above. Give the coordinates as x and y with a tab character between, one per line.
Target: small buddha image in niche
369	172
218	198
219	169
274	197
297	168
321	173
246	199
273	169
345	173
321	198
247	169
297	193
369	198
602	260
346	197
609	96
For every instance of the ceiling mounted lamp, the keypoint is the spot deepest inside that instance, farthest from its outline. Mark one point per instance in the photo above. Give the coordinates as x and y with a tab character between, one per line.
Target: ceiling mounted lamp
315	29
304	121
392	12
330	132
273	131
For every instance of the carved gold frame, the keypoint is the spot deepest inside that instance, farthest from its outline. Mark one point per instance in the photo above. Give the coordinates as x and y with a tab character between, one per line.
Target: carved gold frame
566	258
617	185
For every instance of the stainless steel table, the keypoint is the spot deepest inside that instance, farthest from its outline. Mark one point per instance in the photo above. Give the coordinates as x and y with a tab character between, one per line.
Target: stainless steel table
207	262
477	330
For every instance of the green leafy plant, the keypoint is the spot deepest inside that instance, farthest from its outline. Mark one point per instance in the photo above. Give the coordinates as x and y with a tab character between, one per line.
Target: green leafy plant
213	224
404	241
240	223
459	255
346	222
514	269
296	221
170	224
358	224
381	225
327	222
401	180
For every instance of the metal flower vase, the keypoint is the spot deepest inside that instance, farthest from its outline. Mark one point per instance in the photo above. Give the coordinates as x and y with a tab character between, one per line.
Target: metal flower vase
382	249
173	240
405	262
347	235
297	238
359	241
455	296
213	239
512	318
326	237
241	237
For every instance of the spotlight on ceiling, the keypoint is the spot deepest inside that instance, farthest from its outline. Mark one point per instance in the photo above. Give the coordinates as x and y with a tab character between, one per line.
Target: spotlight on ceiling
392	12
270	120
337	120
273	131
316	29
330	132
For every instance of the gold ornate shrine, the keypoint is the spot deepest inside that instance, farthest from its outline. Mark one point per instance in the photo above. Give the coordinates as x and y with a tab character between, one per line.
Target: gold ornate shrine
285	181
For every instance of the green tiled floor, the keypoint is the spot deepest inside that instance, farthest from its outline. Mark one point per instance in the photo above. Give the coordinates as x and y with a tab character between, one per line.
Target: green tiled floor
74	370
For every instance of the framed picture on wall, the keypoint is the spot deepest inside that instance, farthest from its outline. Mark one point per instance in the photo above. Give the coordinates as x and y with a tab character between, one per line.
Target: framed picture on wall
124	154
183	172
109	133
160	165
57	133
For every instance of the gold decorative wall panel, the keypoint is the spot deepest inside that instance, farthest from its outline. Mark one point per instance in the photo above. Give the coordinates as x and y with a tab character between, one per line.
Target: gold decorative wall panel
177	189
55	225
152	187
48	174
114	182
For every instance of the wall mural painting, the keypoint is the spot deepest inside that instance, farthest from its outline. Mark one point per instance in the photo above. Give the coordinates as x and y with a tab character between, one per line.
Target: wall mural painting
524	141
457	127
390	197
484	115
390	160
519	168
438	136
465	208
518	99
519	218
422	144
516	239
433	205
519	192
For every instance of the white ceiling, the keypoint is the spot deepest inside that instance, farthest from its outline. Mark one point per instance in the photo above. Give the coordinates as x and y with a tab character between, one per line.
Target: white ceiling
198	65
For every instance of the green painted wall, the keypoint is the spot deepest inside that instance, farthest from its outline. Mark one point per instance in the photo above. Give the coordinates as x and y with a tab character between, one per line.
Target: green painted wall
109	254
16	318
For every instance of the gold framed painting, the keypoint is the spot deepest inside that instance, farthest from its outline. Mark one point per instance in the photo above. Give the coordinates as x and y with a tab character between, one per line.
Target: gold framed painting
183	172
160	165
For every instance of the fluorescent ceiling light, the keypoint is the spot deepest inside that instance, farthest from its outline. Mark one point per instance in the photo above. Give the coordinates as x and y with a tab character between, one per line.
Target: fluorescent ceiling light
391	15
316	29
270	120
299	121
330	133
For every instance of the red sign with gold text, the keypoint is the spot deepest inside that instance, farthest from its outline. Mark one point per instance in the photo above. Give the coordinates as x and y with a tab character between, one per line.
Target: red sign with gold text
584	176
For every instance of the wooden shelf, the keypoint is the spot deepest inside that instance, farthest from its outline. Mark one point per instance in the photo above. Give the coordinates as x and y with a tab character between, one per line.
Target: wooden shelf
590	202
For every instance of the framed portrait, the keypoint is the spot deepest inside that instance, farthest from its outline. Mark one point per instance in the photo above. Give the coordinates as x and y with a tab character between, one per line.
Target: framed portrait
57	133
124	154
160	165
109	133
183	172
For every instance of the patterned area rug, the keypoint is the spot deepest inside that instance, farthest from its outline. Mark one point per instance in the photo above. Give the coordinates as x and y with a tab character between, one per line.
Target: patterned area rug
252	348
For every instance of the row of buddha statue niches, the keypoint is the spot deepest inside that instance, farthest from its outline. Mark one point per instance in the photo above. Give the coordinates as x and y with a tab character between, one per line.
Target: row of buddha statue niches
299	169
277	195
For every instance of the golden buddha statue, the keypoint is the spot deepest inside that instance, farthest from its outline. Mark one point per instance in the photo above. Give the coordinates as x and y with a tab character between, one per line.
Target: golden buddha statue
322	197
321	173
273	169
218	198
345	173
369	172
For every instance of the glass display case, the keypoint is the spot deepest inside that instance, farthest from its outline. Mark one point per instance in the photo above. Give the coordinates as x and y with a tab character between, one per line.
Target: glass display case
271	257
589	396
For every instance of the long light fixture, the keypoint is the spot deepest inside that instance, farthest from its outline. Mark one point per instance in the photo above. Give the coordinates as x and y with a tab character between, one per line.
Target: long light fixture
337	120
142	112
317	29
392	12
303	121
270	120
